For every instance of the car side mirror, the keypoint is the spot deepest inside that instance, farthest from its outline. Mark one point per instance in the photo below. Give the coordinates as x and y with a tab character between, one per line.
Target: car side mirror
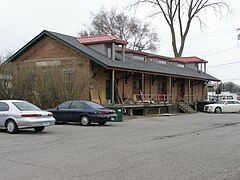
57	108
225	103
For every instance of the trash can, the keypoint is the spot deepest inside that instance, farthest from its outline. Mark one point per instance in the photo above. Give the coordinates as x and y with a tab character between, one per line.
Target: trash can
120	112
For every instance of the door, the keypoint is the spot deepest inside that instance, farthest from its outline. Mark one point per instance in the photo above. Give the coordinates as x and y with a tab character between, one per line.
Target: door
136	85
162	88
230	106
4	110
108	89
62	112
181	89
236	106
76	109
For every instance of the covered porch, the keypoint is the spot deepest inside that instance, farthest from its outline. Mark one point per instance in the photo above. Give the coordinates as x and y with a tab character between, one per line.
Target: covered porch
142	90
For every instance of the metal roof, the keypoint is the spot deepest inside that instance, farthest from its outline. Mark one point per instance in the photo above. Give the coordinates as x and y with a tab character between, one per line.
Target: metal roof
150	67
186	60
96	39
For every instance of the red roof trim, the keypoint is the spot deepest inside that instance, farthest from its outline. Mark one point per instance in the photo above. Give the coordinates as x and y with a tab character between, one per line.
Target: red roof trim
97	39
186	60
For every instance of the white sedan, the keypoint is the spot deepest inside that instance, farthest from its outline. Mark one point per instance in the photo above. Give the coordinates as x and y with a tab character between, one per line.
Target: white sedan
17	114
223	106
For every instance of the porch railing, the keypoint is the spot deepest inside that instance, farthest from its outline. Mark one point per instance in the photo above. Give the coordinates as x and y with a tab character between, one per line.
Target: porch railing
194	98
152	98
166	98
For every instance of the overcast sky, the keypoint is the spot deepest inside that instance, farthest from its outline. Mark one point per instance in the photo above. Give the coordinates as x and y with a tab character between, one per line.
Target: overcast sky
217	42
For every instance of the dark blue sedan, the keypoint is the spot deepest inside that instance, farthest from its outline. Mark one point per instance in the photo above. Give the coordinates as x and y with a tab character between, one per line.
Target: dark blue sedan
85	112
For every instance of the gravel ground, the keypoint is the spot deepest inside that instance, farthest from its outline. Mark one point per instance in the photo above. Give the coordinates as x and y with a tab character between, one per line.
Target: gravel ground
195	146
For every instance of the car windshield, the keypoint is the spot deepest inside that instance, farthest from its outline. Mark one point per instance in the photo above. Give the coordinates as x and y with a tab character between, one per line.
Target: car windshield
26	106
94	105
221	102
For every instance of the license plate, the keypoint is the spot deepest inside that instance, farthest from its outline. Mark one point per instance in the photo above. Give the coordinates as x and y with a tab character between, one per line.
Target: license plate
46	124
112	118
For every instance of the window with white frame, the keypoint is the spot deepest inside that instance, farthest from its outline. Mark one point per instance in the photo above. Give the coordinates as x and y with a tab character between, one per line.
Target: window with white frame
109	52
181	65
162	62
138	58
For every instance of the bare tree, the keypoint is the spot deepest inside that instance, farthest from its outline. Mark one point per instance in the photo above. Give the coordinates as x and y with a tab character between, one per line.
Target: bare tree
140	35
43	86
1	57
4	55
179	15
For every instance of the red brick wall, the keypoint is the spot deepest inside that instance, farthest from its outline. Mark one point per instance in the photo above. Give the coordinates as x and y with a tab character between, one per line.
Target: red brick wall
48	50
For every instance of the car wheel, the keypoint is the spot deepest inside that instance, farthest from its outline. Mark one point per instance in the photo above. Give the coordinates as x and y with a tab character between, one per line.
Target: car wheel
85	121
102	123
39	129
11	127
218	110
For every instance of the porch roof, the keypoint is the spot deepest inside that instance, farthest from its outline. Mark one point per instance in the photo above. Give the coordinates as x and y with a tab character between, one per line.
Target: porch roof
129	65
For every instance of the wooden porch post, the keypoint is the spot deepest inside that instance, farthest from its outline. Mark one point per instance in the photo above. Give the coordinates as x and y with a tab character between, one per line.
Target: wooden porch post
113	51
123	52
189	89
143	85
170	88
113	85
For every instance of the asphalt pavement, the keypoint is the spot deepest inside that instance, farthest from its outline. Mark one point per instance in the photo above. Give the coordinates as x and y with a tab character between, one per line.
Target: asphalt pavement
195	146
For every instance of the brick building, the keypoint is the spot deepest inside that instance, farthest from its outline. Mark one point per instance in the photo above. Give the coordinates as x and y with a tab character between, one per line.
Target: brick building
118	74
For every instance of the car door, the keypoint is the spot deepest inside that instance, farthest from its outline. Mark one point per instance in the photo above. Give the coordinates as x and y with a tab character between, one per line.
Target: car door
4	108
76	110
230	106
62	112
236	106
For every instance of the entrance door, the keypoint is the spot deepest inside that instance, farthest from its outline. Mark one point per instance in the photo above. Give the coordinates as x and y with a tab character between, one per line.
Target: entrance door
181	88
137	85
161	88
108	89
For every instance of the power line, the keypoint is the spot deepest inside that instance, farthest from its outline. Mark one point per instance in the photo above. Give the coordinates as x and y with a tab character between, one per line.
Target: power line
208	34
225	64
220	51
231	79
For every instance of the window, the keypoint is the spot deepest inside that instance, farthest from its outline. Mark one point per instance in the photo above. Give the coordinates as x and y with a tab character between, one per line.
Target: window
26	106
162	62
232	102
46	75
69	75
139	58
4	106
221	102
162	85
181	65
69	86
109	52
137	85
32	81
65	105
76	105
94	105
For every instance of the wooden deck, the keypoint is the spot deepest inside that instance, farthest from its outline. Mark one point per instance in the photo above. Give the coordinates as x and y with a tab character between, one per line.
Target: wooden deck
143	109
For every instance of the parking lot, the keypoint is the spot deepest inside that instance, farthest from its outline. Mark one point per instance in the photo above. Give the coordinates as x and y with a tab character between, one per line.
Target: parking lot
196	146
